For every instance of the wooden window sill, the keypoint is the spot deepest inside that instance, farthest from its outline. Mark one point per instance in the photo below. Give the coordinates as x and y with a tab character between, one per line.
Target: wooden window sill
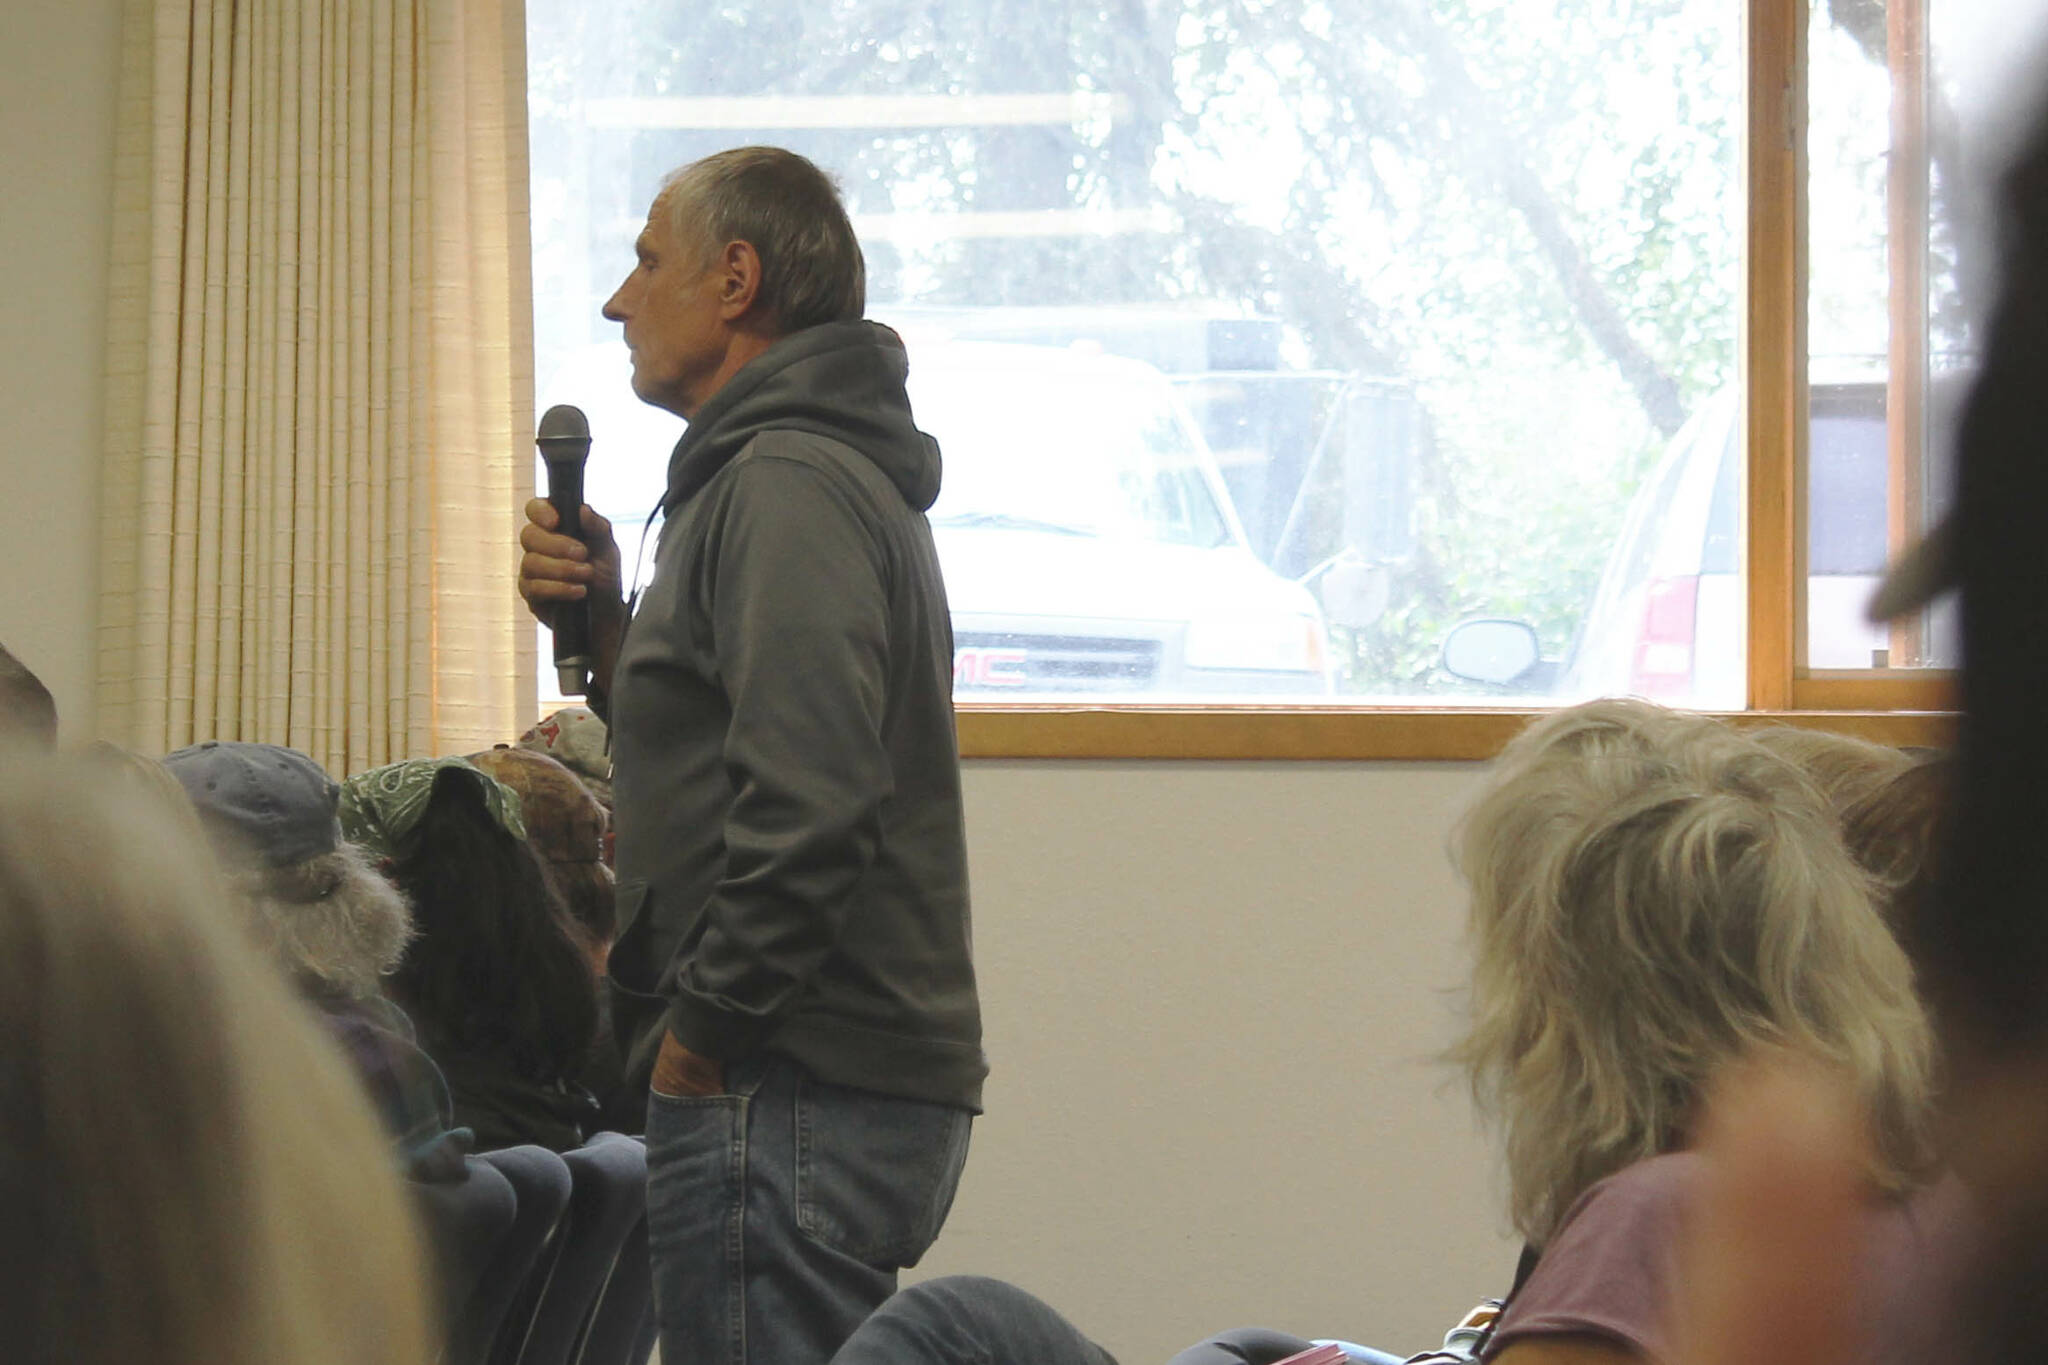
1346	734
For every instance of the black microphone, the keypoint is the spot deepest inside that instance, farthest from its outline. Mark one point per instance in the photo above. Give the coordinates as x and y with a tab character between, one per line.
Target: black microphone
564	441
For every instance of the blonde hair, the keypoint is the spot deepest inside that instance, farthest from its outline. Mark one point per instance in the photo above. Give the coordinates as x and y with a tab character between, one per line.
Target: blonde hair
1845	768
123	770
197	1178
1654	896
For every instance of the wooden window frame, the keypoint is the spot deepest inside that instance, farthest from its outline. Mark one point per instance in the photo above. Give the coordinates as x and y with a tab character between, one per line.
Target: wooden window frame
1895	706
1774	354
1287	734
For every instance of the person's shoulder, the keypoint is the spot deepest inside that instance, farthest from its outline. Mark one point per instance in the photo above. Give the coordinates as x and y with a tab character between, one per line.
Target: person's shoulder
1618	1234
779	461
1668	1175
1607	1269
794	445
1663	1185
784	475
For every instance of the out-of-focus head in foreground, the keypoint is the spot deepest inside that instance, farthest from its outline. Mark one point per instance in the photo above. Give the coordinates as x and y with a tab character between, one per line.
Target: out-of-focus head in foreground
188	1175
28	714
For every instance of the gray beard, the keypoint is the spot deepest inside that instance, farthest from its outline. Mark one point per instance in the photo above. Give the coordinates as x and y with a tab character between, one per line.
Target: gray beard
333	920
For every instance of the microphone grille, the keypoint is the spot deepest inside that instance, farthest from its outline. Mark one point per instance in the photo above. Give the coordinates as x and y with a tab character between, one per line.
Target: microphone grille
564	421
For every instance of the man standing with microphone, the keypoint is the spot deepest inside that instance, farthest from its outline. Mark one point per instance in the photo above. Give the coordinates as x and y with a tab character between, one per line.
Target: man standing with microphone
793	973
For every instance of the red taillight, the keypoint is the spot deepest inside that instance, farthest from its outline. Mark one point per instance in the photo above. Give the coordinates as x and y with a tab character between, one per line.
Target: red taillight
1663	659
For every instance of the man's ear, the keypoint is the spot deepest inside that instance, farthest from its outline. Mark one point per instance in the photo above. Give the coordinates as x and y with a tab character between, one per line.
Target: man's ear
739	284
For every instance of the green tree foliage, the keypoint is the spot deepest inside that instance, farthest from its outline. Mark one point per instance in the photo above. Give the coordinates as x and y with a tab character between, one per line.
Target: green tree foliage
1525	211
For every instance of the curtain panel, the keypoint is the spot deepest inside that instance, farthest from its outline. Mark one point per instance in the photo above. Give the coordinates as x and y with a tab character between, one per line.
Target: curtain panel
319	431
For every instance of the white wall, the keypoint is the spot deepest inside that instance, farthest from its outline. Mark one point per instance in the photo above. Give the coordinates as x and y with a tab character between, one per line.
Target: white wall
57	67
1212	992
1211	989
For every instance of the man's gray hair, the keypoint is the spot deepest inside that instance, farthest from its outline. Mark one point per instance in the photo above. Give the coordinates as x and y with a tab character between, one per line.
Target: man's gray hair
333	921
788	210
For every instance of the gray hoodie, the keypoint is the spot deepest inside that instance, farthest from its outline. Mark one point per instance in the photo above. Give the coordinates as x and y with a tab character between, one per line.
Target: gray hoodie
791	860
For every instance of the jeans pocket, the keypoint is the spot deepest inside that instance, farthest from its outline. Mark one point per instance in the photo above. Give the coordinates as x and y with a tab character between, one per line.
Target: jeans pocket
694	1154
875	1175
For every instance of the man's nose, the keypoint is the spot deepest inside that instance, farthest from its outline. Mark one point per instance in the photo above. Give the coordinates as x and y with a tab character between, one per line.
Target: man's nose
614	309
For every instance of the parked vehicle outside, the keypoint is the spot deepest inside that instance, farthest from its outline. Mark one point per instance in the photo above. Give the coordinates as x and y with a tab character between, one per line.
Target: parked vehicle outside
1088	539
1668	619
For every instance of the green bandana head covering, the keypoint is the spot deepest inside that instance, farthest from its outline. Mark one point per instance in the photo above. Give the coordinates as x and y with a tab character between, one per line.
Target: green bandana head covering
381	808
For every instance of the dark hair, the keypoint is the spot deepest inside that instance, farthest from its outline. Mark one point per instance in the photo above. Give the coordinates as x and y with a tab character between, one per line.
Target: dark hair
27	709
1895	833
591	896
788	210
496	967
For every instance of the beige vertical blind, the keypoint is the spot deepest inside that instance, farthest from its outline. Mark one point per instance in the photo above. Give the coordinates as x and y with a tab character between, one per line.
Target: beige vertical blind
319	378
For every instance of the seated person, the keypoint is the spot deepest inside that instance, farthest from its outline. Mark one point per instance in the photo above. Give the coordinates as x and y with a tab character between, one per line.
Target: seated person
571	831
569	828
496	979
191	1176
576	737
326	916
1653	896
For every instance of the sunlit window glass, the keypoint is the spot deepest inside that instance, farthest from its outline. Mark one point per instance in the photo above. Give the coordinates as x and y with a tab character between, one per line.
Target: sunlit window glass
1889	323
1314	352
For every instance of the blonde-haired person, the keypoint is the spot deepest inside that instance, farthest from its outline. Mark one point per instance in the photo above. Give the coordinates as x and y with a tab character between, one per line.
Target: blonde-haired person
191	1176
1656	900
1653	896
118	770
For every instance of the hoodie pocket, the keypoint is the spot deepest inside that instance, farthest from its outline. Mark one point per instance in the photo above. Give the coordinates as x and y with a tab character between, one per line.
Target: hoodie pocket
633	965
639	1010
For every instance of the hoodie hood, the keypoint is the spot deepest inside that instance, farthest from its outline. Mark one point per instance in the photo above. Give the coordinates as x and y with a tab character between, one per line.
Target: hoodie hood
842	381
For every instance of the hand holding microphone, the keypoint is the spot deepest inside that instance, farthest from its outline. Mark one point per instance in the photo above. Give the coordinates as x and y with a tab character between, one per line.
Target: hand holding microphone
569	573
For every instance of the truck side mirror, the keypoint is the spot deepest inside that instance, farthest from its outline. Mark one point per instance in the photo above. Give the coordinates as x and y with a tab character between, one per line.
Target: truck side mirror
1491	649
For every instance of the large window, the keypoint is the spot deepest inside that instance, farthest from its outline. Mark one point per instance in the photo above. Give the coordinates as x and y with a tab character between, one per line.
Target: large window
1357	353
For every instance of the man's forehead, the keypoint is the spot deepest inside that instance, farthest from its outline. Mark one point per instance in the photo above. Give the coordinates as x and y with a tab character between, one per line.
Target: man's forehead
662	233
656	225
660	224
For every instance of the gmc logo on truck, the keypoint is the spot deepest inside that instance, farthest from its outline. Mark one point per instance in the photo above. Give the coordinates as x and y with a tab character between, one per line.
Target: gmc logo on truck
976	667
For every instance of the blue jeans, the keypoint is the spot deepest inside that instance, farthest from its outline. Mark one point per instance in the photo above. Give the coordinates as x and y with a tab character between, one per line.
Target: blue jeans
778	1214
970	1320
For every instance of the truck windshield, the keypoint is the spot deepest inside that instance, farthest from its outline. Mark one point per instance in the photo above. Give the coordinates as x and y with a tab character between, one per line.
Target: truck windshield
1080	455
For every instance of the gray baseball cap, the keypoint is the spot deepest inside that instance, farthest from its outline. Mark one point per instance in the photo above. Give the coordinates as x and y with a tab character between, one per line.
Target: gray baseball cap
261	800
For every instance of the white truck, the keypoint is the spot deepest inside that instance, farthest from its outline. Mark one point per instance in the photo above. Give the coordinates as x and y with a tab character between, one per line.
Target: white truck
1088	540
